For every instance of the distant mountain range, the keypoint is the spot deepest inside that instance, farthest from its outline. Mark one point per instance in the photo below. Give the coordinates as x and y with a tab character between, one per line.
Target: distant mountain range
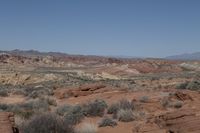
32	53
189	56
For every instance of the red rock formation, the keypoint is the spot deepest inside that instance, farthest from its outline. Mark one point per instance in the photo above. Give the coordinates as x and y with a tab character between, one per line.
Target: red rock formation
7	123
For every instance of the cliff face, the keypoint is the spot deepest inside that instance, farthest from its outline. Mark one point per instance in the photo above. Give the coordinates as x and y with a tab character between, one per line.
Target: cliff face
7	123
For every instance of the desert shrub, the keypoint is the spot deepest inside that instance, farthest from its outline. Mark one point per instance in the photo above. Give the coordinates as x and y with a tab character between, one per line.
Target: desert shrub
193	85
25	114
24	110
107	122
27	109
61	110
39	105
3	107
125	115
125	104
182	85
6	107
46	123
113	108
74	115
144	99
3	93
154	78
177	104
35	92
122	104
19	92
95	108
165	102
19	120
88	128
50	101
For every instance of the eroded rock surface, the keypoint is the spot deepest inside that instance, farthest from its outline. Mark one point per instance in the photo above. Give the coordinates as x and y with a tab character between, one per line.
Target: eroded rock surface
7	123
180	121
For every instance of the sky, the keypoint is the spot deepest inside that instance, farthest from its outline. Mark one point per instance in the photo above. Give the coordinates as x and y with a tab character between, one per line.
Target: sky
139	28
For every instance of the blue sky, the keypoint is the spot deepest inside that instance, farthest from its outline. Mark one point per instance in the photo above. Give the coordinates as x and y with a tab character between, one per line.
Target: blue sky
147	28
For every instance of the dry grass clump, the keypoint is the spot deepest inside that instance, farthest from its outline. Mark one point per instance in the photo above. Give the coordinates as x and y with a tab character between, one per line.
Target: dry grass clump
123	104
74	115
95	108
167	103
46	123
193	85
106	121
125	115
113	108
62	110
87	128
3	93
177	104
144	99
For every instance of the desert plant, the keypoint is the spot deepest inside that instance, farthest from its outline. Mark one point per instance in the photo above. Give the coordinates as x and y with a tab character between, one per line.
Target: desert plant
107	122
3	93
122	104
37	105
88	128
177	104
193	85
95	108
144	99
113	108
182	86
165	102
3	106
61	110
50	101
35	92
74	115
46	123
19	92
125	104
125	115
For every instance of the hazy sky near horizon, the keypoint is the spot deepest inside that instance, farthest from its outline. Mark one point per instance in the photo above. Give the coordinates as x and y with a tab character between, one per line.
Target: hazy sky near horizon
147	28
